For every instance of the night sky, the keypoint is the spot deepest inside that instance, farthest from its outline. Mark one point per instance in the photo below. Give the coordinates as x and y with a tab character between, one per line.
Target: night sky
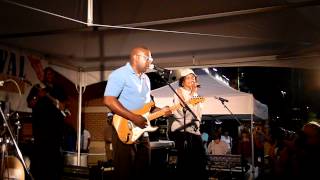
292	95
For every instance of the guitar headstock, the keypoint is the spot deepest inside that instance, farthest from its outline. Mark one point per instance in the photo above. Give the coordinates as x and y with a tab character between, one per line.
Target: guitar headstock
196	100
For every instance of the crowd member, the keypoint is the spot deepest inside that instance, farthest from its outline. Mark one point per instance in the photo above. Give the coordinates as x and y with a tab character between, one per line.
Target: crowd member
259	138
205	138
244	146
227	139
217	146
307	150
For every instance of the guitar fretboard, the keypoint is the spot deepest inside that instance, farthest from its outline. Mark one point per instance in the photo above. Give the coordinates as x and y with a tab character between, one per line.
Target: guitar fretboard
161	112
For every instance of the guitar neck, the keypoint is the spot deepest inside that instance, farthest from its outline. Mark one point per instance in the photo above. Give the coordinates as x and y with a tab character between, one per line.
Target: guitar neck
51	98
55	101
162	112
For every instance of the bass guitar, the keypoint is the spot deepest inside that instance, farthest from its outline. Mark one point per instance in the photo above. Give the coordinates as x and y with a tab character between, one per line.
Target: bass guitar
128	132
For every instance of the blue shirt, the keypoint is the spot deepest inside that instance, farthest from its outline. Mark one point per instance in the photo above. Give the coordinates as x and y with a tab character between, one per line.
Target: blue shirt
132	90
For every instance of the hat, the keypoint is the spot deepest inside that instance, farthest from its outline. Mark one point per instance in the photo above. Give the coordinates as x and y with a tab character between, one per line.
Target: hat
184	72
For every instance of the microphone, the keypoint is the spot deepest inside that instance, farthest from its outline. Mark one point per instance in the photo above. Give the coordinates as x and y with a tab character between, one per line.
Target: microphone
165	74
160	70
222	99
157	68
195	84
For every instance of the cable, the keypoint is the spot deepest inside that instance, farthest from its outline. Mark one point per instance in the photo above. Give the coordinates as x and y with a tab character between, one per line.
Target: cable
43	11
127	27
14	82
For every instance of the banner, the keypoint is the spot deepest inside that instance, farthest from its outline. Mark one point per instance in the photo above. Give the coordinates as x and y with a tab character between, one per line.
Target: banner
18	73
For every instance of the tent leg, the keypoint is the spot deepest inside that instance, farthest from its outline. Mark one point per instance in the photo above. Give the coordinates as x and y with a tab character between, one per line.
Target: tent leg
252	148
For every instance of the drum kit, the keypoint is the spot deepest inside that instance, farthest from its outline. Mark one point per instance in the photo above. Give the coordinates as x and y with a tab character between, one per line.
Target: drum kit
13	165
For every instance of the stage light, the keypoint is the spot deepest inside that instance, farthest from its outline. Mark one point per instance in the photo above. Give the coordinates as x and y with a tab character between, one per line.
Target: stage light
214	69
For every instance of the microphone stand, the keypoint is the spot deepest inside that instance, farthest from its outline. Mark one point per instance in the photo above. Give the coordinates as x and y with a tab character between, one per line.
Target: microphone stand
222	102
166	73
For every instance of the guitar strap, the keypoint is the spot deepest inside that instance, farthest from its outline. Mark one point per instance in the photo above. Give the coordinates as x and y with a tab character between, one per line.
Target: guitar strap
153	107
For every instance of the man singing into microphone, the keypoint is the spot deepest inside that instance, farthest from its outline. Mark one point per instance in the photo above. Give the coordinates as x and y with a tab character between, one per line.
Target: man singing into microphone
187	136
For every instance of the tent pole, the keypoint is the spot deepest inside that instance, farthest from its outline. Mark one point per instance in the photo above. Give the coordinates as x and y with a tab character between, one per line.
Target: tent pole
79	118
90	13
252	148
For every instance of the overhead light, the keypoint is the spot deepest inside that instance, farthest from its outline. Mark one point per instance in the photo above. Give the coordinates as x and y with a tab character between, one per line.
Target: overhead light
206	70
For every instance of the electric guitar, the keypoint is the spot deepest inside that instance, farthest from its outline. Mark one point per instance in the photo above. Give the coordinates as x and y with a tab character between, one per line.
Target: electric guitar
128	132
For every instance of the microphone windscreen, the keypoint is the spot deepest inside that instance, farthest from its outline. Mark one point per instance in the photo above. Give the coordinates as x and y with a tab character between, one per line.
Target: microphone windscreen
151	66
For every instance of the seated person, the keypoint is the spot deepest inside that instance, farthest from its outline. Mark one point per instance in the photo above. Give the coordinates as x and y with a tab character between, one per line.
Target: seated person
218	147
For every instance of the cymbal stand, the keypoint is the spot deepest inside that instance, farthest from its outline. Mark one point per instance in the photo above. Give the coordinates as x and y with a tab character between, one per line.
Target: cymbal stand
3	150
18	124
6	125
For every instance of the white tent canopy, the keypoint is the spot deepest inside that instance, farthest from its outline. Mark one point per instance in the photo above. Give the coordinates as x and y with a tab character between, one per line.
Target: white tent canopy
239	103
82	78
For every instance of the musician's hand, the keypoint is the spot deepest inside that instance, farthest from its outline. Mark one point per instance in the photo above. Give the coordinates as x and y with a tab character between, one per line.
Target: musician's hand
167	111
42	93
194	87
32	103
140	121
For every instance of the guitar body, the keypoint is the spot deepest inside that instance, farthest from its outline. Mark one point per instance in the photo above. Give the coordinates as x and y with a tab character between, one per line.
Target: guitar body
127	132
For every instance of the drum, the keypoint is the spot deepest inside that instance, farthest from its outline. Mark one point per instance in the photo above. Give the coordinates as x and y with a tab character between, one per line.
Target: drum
13	169
70	158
